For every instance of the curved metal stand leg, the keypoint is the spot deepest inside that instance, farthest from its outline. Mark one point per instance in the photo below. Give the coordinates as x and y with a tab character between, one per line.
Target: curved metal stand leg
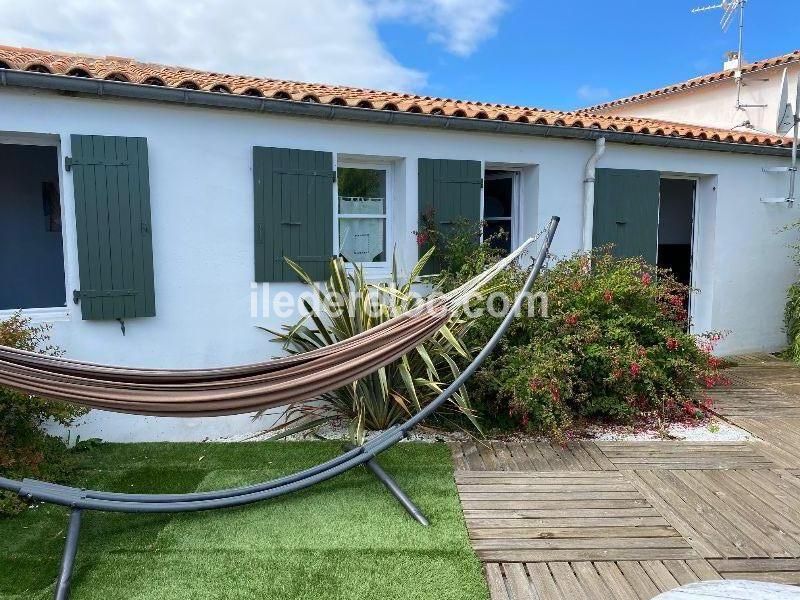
68	560
395	490
398	493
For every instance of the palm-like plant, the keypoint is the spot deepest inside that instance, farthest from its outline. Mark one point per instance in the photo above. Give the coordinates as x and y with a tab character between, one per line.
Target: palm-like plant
347	305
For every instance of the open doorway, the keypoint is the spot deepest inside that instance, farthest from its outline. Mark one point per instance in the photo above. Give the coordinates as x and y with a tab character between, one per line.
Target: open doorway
676	228
31	243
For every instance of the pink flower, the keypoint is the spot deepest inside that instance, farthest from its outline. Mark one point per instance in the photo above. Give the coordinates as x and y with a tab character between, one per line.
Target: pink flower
608	296
672	344
422	238
571	319
635	369
646	279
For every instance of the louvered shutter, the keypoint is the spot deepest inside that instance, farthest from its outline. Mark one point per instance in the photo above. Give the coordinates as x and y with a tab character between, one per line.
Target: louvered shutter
450	190
112	210
626	212
293	212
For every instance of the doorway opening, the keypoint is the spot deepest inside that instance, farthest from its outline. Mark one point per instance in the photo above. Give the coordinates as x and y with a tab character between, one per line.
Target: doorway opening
676	229
31	242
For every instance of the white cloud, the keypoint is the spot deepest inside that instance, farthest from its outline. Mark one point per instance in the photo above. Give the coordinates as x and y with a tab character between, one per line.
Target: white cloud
590	93
307	40
459	25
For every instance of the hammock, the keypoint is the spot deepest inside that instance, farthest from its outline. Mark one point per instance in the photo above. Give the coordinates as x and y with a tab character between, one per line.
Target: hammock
239	389
77	381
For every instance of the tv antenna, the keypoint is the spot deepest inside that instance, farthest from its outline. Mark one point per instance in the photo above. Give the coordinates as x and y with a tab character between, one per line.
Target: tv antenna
729	9
788	118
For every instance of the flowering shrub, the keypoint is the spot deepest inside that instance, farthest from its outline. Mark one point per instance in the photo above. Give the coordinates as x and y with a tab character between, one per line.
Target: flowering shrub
25	450
614	346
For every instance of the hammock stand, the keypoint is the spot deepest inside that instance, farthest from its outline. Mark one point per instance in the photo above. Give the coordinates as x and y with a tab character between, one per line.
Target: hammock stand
79	500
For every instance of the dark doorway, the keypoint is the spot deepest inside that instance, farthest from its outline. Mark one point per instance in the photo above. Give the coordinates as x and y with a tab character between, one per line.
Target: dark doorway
675	218
31	245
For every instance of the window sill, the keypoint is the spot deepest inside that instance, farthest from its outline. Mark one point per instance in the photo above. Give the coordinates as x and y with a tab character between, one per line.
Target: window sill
39	315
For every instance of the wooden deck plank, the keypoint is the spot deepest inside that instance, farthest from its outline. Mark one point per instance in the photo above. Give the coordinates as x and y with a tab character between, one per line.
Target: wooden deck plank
638	579
672	507
518	583
616	581
566	580
593	586
543	583
496	582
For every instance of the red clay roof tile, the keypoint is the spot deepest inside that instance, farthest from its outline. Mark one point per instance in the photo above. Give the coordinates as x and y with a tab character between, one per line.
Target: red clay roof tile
117	68
760	65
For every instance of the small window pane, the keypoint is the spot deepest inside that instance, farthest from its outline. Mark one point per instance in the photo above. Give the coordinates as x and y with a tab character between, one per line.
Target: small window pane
362	191
497	198
362	240
498	234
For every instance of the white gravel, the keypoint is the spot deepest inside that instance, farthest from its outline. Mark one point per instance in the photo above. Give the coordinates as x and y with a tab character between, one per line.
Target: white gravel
713	430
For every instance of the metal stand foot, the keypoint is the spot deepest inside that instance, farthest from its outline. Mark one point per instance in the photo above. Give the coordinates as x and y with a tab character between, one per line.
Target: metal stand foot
68	560
395	490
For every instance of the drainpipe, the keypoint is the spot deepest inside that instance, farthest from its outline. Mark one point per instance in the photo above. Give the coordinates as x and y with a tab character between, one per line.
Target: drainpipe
588	193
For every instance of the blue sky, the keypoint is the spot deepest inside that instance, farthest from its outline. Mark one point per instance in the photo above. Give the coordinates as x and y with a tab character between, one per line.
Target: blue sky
573	53
558	54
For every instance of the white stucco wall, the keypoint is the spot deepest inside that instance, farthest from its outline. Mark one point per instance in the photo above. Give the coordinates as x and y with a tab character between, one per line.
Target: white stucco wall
202	229
714	105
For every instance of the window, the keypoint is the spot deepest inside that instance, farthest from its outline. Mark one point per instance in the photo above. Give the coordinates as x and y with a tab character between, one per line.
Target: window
31	244
362	213
498	209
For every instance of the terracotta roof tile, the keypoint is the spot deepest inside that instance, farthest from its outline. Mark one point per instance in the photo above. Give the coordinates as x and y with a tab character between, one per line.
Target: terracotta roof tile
760	65
125	69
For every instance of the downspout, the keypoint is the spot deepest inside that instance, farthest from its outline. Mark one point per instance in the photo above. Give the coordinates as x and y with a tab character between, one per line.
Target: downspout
588	193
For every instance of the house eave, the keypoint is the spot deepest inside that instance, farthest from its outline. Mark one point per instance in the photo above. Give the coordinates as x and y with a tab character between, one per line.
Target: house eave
99	88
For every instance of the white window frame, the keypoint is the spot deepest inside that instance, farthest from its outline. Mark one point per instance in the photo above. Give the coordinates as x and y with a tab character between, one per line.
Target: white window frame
515	219
51	313
378	165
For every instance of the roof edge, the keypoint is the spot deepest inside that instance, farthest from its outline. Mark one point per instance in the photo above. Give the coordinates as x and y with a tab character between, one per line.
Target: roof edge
101	88
698	82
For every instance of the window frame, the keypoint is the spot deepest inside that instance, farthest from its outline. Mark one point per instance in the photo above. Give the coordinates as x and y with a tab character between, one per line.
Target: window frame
515	219
379	165
48	314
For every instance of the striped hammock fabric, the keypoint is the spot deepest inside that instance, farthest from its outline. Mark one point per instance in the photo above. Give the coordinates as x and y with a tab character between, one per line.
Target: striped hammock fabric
238	389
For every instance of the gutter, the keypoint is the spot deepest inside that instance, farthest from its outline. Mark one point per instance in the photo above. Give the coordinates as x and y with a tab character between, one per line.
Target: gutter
588	193
117	89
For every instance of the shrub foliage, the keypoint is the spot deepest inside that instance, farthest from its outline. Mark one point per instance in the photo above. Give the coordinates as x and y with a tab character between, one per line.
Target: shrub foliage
613	346
25	449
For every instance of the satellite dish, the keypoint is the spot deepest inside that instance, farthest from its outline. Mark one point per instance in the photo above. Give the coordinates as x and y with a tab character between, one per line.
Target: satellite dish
785	120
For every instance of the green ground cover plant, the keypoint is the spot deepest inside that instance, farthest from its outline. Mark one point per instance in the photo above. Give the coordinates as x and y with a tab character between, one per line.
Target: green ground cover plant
346	538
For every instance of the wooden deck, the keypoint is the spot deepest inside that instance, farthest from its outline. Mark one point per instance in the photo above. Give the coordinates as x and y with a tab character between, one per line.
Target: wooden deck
629	520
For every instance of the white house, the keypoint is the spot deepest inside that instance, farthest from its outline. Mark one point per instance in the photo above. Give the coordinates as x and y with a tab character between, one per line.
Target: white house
144	208
716	99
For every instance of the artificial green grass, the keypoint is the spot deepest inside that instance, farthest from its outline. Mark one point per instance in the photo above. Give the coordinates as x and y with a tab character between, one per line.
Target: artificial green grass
345	538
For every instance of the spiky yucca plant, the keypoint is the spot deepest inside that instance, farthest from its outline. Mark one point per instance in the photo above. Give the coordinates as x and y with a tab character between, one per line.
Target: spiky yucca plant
394	392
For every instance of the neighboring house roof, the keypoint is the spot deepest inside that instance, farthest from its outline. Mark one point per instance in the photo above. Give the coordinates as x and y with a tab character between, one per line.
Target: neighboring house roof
149	74
691	84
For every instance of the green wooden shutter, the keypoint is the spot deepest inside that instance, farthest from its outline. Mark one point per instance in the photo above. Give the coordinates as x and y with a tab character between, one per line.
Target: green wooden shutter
451	190
626	212
293	212
112	209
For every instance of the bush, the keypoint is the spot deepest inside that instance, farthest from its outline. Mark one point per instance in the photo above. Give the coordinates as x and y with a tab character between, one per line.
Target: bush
792	321
349	305
25	449
613	347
